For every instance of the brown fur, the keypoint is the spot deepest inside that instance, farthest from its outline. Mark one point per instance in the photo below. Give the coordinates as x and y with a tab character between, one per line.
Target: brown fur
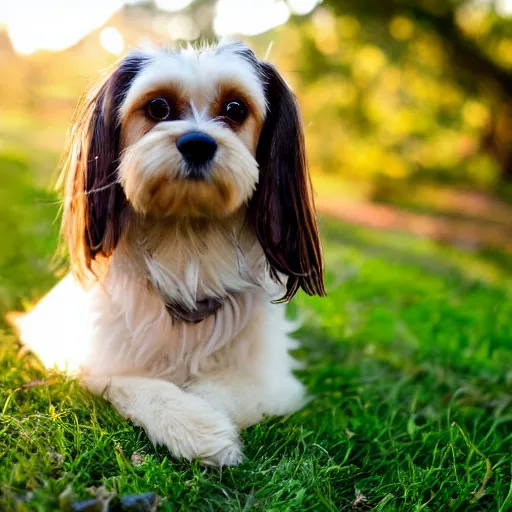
282	210
95	206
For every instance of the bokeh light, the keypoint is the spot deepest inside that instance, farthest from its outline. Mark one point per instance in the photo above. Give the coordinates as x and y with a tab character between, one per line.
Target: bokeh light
112	40
53	24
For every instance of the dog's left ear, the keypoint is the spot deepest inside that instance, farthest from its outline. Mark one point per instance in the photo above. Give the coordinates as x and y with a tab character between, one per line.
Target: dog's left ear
282	210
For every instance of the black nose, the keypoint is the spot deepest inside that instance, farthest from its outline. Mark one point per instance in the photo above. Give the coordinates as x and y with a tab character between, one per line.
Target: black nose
196	147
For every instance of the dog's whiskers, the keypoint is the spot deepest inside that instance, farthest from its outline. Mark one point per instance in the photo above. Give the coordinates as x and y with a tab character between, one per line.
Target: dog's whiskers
99	189
87	193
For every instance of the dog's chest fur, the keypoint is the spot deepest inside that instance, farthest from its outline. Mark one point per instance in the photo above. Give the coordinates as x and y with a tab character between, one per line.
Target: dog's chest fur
163	260
190	260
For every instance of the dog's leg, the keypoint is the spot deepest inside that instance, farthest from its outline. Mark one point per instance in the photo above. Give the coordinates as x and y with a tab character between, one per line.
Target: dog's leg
247	398
186	424
257	378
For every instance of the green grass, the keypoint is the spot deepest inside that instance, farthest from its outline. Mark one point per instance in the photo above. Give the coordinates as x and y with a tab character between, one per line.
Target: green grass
409	361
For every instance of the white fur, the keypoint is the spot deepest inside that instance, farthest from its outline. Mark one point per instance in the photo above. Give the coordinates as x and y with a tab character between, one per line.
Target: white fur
191	386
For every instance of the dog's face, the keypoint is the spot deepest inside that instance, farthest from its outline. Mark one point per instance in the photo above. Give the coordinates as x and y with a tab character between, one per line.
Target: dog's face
193	134
190	125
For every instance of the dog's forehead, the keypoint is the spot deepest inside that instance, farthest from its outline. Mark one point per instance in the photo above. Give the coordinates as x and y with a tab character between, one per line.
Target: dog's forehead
198	73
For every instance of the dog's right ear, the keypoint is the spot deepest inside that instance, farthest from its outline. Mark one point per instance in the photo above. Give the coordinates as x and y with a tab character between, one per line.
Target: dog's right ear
94	203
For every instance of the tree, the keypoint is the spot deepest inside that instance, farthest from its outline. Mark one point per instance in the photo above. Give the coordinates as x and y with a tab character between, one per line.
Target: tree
469	56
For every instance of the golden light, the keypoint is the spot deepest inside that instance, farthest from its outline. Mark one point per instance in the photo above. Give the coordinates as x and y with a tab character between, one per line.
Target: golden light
57	24
475	114
504	51
45	330
111	40
401	28
53	24
324	33
183	27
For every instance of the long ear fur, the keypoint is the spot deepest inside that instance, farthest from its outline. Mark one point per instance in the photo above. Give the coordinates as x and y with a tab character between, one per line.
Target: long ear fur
94	202
282	210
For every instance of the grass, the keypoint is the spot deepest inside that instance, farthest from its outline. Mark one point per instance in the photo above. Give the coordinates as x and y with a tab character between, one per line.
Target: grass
409	361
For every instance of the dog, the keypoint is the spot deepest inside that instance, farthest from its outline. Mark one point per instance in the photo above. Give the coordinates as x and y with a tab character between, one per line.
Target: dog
189	220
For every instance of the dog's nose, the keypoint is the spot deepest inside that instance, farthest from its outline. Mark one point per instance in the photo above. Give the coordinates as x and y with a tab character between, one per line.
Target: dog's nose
196	147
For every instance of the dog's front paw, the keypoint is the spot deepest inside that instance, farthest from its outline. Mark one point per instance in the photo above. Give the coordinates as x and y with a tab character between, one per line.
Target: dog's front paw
230	455
205	434
189	426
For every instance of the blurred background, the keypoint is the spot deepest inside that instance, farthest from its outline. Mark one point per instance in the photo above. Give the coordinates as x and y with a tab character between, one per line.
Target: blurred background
407	106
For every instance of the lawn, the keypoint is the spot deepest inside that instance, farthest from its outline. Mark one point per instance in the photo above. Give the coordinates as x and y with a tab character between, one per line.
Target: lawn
409	361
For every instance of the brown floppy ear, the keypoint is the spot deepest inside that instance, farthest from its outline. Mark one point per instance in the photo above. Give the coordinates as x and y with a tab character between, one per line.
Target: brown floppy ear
282	211
94	202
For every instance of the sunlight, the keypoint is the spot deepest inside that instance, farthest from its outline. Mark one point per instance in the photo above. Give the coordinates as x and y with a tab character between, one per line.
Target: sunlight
302	6
111	40
56	24
248	17
504	7
183	27
172	5
53	24
46	329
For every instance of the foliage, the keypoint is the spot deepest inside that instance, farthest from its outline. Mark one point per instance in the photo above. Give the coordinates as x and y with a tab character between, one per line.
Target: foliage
384	99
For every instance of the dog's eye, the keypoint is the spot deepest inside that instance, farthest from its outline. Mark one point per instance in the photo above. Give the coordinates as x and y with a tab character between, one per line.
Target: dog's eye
236	111
159	109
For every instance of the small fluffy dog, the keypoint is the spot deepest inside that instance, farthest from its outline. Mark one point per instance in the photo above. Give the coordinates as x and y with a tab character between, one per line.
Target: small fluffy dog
188	213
